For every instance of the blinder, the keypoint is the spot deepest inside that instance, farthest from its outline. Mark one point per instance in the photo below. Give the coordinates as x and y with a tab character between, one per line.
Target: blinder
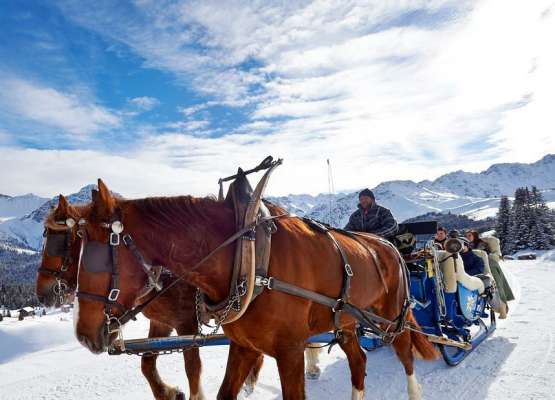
56	244
97	257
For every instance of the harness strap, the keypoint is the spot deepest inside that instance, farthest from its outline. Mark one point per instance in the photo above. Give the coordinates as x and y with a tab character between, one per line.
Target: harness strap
148	268
101	299
132	313
52	272
345	287
367	318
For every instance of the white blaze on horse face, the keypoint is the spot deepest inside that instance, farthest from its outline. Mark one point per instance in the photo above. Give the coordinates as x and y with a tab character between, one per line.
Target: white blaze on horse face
76	299
75	314
357	394
414	388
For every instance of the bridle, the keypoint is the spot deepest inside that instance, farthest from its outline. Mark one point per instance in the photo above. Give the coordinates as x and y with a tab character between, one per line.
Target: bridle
62	288
114	323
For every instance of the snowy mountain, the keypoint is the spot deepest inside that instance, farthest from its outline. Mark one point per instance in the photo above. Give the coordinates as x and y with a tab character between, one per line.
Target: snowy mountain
18	206
27	230
475	195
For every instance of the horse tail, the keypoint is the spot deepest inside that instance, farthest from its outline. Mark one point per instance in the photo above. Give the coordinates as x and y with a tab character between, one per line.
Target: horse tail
421	346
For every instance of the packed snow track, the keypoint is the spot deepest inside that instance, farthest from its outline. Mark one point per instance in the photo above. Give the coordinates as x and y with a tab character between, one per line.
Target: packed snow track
40	359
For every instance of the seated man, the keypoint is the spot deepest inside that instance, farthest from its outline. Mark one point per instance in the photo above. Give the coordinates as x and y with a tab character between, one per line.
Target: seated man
371	217
440	237
473	264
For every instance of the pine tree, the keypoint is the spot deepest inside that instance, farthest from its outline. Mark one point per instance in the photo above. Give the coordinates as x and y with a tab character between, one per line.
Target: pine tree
519	231
503	222
541	229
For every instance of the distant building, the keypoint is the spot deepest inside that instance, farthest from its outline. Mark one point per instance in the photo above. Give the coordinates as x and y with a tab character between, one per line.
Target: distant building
25	312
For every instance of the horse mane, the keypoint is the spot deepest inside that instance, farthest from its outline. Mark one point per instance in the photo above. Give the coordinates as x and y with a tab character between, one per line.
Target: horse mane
178	211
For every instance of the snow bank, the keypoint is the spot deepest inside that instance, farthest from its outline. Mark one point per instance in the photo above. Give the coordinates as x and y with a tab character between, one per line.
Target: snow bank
42	360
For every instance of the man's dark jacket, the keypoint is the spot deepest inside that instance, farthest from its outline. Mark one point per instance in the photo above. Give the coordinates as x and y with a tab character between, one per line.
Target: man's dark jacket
377	220
473	263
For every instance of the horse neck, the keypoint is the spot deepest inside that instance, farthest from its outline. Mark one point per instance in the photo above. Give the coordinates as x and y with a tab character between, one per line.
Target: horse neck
181	245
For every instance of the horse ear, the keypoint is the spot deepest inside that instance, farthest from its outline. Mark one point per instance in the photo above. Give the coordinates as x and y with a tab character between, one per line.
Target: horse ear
63	205
103	202
94	195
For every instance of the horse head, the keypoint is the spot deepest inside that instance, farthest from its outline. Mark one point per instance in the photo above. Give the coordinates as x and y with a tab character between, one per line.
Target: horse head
57	274
109	278
174	232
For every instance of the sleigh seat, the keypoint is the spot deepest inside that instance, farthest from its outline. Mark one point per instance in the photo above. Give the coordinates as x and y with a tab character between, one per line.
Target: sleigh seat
452	268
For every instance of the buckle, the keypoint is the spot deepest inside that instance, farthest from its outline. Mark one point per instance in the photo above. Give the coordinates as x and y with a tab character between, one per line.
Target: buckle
250	235
242	288
263	281
113	295
349	270
114	239
338	305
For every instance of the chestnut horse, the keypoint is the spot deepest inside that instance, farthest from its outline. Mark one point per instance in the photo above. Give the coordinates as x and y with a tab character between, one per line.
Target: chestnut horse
173	310
178	232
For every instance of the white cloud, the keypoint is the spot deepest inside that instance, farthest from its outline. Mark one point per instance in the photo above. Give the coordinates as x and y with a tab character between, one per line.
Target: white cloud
144	103
51	107
190	125
48	172
188	111
381	93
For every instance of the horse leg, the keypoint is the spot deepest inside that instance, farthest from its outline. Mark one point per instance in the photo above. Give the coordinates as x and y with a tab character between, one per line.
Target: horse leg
403	347
252	378
193	366
239	364
357	363
290	362
312	358
160	390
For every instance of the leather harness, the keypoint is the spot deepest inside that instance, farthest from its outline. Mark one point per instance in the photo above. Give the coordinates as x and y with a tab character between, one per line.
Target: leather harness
246	284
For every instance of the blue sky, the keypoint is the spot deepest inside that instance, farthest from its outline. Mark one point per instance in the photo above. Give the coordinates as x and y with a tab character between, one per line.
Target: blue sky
165	97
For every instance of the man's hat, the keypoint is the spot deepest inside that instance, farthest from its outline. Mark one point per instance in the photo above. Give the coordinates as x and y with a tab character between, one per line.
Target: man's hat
367	192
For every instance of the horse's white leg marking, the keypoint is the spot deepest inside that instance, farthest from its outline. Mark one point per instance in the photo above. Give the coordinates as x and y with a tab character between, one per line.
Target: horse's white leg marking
312	358
414	388
357	394
250	383
198	396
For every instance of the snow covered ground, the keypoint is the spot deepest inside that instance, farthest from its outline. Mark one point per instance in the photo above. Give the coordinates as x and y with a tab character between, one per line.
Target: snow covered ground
40	359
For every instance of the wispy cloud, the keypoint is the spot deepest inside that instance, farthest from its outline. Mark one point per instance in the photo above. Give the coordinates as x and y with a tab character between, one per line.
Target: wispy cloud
387	90
48	106
144	103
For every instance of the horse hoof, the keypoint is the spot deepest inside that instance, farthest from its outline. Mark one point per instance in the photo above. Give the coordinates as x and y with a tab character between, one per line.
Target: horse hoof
313	375
248	389
180	396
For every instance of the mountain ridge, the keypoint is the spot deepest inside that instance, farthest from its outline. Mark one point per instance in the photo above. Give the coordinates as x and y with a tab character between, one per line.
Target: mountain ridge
473	194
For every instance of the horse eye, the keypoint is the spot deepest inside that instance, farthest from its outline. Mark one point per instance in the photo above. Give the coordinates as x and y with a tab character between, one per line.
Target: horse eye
117	227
